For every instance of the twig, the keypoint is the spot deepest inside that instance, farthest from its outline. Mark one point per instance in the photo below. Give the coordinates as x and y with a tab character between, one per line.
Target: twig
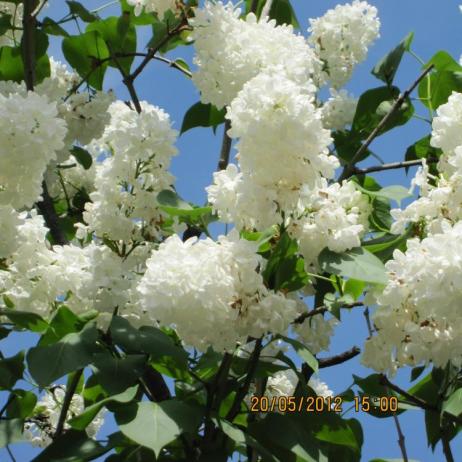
242	392
225	147
339	359
321	310
349	168
46	206
368	321
446	447
67	402
411	398
10	453
391	166
173	64
401	437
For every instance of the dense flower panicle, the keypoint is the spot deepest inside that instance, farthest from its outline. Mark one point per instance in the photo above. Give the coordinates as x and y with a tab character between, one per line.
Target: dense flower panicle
446	132
238	199
231	51
440	200
41	430
281	137
284	383
31	134
212	292
342	37
334	216
157	6
316	332
9	222
127	182
418	315
339	110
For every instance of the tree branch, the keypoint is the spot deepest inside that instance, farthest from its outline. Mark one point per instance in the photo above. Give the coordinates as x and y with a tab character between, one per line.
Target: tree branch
70	390
390	166
46	206
225	147
321	310
242	392
349	168
339	359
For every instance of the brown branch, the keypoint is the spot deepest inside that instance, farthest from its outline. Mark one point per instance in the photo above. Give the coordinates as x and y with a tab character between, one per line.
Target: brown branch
225	147
321	310
446	447
339	359
411	398
70	390
391	166
242	392
349	168
46	206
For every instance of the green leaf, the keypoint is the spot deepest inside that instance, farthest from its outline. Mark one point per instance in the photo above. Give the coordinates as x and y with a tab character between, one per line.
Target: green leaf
373	105
120	37
303	352
51	27
284	437
10	431
84	419
26	320
64	322
149	340
72	352
285	269
11	370
84	53
384	246
5	23
72	446
422	149
202	115
442	84
175	206
157	424
386	68
283	13
354	288
162	40
416	372
356	263
82	156
22	405
243	439
445	78
117	374
144	19
80	11
453	405
347	143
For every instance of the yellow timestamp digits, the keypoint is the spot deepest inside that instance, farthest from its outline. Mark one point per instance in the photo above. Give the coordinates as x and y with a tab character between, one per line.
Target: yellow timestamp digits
382	404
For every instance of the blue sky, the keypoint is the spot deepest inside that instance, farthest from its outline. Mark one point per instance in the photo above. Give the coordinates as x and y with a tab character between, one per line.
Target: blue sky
437	25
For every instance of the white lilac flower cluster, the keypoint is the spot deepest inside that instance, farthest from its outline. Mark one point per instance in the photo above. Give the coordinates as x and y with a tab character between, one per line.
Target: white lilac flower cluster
231	51
334	216
342	37
440	202
32	133
418	318
128	180
157	6
212	292
339	110
284	383
93	277
42	426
